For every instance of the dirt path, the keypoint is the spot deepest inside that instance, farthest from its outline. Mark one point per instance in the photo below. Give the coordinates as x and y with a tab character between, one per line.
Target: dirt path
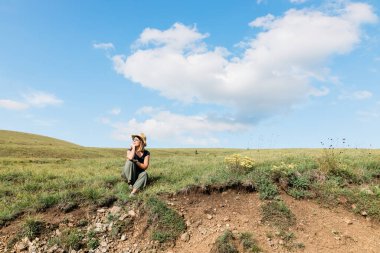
318	229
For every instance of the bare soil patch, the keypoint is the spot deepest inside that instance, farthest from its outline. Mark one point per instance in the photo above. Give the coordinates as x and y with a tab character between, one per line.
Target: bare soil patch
207	216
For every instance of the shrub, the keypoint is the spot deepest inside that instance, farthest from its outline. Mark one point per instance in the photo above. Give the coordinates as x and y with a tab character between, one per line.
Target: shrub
238	163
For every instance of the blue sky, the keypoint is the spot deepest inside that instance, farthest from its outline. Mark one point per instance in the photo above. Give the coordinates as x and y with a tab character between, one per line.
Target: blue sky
245	74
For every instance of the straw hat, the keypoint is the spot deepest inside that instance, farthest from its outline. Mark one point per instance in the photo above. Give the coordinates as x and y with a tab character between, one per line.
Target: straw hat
141	136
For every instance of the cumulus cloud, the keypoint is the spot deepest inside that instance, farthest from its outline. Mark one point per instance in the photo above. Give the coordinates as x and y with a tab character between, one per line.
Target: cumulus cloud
175	128
31	99
281	67
115	111
13	105
104	46
357	95
41	99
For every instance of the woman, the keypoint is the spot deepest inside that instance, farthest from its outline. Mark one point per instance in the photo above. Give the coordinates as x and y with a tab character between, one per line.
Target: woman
137	162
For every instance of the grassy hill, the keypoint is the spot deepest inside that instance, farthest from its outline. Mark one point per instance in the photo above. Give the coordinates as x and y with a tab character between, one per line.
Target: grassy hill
20	138
24	145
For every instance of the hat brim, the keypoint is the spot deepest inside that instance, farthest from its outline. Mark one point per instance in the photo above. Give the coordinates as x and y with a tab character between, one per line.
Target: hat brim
138	136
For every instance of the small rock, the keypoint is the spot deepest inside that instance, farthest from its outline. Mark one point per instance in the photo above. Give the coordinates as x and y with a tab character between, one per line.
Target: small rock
209	216
21	246
348	221
188	223
281	242
197	223
132	213
121	218
115	210
185	237
123	237
363	213
101	210
226	219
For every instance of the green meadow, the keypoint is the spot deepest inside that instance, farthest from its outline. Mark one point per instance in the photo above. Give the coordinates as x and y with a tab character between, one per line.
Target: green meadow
38	173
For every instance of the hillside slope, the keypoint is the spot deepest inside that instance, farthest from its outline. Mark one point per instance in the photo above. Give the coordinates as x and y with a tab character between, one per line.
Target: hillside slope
25	145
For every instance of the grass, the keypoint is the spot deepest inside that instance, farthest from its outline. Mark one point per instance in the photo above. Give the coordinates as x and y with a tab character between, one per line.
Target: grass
278	214
167	224
225	243
38	173
229	243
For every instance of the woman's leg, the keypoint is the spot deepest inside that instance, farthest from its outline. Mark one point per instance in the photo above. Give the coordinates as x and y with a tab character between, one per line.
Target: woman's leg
141	181
129	172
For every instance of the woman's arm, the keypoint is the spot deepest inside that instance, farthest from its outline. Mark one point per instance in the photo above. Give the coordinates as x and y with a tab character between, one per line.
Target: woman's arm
131	153
144	165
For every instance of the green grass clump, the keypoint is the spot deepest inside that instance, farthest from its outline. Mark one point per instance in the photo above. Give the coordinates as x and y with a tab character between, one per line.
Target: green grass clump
71	239
167	224
224	243
33	228
278	214
249	244
92	240
265	186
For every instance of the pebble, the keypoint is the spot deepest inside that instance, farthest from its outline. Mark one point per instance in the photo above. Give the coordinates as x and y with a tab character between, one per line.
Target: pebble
209	216
132	213
185	237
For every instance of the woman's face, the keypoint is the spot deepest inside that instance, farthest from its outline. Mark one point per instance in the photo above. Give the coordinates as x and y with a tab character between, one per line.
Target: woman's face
136	142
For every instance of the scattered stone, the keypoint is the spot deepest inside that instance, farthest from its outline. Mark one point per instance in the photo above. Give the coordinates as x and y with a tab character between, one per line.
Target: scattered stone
21	246
123	237
185	237
363	213
348	221
188	223
226	219
115	210
52	249
209	216
101	210
132	213
121	218
197	223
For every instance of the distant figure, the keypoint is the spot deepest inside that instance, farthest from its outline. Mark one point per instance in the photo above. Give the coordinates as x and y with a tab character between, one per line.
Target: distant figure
134	171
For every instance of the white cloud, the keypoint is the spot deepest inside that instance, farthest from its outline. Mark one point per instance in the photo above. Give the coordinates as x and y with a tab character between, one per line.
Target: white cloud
31	99
115	111
175	128
41	99
357	95
275	72
104	46
13	105
298	1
